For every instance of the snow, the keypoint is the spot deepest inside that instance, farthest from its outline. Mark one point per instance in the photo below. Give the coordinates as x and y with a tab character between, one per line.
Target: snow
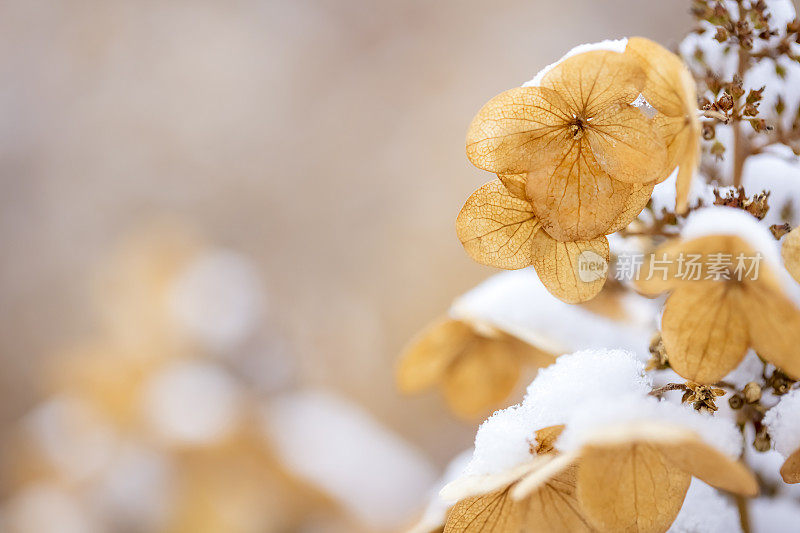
435	513
559	392
216	300
705	510
664	193
777	171
770	515
749	369
191	403
517	303
334	445
783	423
623	410
617	45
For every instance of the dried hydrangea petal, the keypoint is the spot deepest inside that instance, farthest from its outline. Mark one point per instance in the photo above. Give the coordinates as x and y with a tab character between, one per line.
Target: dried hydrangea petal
495	512
790	470
704	331
774	326
573	197
424	362
627	145
630	488
515	183
670	89
592	81
791	253
496	228
711	466
640	195
559	265
481	378
513	128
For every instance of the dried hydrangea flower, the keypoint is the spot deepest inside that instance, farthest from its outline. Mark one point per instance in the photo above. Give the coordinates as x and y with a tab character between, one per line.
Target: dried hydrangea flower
501	230
628	477
791	253
486	505
575	160
634	477
475	365
670	89
714	315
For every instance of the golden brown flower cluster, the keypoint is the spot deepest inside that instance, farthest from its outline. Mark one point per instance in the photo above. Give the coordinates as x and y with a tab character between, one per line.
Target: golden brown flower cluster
576	159
625	478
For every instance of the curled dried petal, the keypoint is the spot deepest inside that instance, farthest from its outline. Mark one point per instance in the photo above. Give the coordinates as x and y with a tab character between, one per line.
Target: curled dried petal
711	466
481	378
425	360
791	253
790	470
515	183
773	323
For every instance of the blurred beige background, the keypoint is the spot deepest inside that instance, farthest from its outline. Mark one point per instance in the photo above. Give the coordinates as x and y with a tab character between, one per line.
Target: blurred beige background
323	139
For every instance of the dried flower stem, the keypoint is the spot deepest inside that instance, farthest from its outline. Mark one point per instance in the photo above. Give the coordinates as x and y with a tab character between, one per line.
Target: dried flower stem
740	143
742	505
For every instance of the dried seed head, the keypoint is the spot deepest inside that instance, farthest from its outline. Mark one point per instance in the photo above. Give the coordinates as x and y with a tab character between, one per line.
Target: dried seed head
762	442
752	392
725	102
736	401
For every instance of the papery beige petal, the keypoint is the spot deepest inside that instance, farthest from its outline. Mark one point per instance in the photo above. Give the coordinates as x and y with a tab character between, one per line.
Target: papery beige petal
790	470
711	466
594	80
791	253
496	228
659	270
571	271
543	473
481	378
640	195
630	488
773	322
704	331
573	197
490	513
667	267
627	145
689	155
515	183
425	360
670	87
546	438
525	353
477	485
512	129
554	507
